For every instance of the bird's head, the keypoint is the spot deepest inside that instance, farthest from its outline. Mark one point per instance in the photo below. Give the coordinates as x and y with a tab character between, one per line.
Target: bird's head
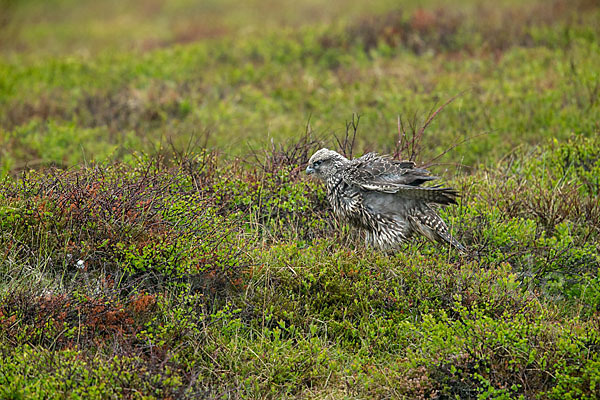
324	163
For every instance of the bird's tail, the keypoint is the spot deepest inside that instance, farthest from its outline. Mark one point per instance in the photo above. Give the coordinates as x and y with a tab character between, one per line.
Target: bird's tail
433	194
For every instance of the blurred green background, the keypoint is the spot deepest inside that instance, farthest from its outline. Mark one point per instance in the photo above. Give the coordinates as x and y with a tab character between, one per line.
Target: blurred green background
85	80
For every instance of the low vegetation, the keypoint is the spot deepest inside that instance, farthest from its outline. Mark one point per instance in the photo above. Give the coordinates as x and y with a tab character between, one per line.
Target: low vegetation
159	239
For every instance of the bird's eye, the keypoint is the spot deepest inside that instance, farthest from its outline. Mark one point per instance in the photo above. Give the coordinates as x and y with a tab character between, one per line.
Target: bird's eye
317	163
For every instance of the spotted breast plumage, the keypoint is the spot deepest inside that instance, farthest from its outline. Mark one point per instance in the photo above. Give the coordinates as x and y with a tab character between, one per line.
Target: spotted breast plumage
384	198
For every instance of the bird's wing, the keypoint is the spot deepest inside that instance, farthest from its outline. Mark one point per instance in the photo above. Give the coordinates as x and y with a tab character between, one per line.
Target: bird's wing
374	168
373	172
434	194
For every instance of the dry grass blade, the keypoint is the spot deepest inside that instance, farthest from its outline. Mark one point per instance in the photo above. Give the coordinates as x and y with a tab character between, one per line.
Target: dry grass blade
409	142
346	145
432	162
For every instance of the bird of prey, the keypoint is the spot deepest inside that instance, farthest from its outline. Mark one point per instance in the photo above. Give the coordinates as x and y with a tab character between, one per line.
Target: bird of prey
384	198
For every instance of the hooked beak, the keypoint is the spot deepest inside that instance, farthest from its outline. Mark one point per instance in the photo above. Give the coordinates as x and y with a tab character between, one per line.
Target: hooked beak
310	170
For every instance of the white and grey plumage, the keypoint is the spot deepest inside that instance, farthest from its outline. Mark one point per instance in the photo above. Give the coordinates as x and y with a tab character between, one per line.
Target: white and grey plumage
384	197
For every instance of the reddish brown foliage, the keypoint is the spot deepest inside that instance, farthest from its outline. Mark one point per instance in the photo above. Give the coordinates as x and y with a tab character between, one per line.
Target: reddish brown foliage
48	320
143	302
443	29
